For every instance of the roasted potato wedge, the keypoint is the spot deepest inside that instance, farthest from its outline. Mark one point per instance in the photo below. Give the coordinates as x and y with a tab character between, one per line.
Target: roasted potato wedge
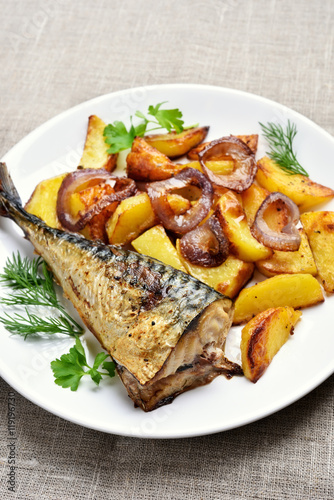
228	278
43	201
250	140
155	243
252	199
263	337
145	163
294	290
95	150
319	227
233	220
174	145
131	218
304	192
135	215
301	261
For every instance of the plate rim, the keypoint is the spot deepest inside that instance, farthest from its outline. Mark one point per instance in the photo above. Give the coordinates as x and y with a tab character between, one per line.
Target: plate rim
40	129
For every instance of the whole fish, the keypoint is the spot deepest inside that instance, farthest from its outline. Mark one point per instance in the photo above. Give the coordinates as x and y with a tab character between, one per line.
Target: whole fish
164	329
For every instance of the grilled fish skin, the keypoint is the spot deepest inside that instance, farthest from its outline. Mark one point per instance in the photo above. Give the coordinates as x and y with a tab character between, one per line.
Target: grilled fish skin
164	329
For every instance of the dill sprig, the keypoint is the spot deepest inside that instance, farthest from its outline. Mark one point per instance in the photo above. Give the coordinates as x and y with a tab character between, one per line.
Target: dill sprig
33	324
32	284
281	146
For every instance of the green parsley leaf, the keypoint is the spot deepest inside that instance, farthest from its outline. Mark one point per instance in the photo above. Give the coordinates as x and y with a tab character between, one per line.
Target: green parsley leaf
119	138
69	369
170	119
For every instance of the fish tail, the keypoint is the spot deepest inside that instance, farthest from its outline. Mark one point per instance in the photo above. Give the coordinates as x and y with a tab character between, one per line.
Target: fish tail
8	191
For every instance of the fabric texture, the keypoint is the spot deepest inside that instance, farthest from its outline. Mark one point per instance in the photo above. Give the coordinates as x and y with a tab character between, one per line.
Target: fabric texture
57	54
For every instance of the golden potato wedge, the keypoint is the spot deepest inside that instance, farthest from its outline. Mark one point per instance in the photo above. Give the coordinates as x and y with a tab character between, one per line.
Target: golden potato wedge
95	150
155	243
43	201
228	278
301	261
262	338
174	145
250	140
234	223
294	290
319	227
132	217
304	192
135	215
252	199
145	163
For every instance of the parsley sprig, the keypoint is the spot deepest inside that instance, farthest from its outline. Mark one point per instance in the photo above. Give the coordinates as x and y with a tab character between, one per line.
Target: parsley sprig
281	146
32	285
69	369
119	138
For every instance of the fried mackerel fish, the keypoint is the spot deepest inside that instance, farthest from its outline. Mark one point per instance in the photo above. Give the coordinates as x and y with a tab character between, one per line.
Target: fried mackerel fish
164	329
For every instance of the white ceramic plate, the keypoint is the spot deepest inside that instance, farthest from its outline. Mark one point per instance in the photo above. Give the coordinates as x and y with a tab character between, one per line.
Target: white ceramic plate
304	361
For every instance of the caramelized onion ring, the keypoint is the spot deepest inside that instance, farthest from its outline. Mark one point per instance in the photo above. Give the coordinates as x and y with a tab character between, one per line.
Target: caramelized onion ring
81	179
230	148
205	246
288	239
181	224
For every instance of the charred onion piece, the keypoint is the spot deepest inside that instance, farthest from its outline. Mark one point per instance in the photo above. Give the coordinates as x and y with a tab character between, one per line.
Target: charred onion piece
230	148
81	179
205	246
181	224
288	239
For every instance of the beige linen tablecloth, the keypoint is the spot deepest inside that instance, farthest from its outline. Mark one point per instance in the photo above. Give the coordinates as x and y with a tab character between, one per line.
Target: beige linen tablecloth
56	54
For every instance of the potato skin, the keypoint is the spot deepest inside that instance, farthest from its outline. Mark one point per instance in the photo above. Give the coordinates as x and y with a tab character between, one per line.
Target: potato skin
174	145
95	150
300	261
304	192
262	338
294	290
319	227
145	163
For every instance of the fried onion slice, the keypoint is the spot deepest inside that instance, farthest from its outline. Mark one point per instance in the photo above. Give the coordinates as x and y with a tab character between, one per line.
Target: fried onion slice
288	238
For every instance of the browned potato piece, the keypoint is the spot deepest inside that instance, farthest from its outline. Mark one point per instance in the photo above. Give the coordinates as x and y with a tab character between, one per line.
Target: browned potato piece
304	192
250	140
233	220
301	261
252	199
131	218
174	145
294	290
95	150
145	163
228	278
319	227
263	337
43	201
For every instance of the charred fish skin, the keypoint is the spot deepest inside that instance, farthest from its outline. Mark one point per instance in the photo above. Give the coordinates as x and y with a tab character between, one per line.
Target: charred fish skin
144	313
